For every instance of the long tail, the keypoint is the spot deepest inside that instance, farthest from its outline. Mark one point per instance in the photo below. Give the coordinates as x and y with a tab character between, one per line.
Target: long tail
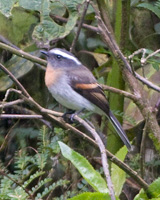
117	126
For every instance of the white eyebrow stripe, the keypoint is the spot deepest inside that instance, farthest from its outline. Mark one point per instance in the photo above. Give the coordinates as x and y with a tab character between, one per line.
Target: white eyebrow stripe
65	55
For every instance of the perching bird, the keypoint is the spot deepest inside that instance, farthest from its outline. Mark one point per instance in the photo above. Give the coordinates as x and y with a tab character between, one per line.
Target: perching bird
75	87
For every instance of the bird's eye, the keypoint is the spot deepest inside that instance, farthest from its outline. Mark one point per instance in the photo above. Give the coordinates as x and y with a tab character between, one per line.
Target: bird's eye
58	57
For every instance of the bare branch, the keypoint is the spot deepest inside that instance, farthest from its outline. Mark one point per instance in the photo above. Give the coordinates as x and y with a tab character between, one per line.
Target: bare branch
143	51
143	62
120	92
146	82
14	80
86	26
23	54
8	104
20	116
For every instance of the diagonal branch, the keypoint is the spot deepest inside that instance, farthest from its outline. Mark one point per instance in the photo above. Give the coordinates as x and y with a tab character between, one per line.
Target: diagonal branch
23	54
13	78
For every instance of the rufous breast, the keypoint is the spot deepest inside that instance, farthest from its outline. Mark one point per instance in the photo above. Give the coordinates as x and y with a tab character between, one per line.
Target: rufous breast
52	75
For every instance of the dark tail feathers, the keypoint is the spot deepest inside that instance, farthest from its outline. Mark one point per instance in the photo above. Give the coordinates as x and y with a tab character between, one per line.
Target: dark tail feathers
117	126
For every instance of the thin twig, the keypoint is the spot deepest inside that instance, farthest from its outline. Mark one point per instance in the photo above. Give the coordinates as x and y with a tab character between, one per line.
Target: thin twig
4	40
151	55
8	104
103	155
86	26
148	83
143	51
86	4
20	116
23	54
143	62
120	92
14	80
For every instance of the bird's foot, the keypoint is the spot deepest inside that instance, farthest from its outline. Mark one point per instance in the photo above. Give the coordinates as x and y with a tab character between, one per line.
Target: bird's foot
69	115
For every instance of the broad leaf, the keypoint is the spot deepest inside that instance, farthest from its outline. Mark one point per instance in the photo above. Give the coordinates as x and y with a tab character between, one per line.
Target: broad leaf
48	30
118	176
141	196
84	168
31	5
17	29
18	67
91	196
154	188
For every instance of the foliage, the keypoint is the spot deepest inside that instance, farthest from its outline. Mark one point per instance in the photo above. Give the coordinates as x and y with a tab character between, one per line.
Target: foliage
30	173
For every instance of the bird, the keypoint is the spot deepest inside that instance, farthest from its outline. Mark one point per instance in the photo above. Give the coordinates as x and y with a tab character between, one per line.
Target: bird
73	85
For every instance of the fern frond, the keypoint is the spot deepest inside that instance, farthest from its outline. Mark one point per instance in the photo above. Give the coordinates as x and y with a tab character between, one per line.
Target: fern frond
157	4
18	194
51	188
32	178
40	184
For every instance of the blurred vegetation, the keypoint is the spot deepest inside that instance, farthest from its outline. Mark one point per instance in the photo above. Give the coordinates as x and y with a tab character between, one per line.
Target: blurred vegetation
34	164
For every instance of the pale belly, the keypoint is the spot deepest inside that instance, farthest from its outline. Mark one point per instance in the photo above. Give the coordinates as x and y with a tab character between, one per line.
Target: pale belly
66	96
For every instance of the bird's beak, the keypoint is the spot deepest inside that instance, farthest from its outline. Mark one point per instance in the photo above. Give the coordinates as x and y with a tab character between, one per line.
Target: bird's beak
44	52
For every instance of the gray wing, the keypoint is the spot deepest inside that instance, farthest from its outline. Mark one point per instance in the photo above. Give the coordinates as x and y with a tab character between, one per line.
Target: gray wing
84	83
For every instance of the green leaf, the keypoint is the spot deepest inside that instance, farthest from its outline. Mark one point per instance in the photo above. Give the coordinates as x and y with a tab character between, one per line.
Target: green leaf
18	193
150	7
18	67
6	7
154	188
91	196
31	5
84	168
141	196
48	30
155	66
17	29
118	176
